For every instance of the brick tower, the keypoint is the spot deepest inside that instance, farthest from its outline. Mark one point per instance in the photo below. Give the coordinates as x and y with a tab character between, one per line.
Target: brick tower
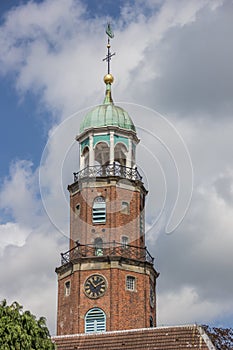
106	280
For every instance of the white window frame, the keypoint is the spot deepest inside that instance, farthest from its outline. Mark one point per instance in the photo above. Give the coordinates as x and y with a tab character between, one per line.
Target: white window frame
130	283
99	210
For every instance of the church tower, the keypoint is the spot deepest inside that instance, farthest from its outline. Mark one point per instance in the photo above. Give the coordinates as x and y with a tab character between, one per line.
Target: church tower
106	280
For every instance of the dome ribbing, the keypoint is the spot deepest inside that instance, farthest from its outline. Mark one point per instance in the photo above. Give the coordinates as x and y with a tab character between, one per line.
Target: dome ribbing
107	114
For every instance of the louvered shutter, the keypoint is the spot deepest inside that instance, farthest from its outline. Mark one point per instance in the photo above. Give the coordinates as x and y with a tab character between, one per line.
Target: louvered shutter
95	321
99	211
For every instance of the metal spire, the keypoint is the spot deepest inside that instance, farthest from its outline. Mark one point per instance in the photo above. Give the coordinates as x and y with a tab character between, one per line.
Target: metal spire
109	55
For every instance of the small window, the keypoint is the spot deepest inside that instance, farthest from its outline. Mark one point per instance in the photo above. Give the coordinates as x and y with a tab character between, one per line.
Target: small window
124	242
151	321
77	209
67	288
99	211
125	208
130	283
95	321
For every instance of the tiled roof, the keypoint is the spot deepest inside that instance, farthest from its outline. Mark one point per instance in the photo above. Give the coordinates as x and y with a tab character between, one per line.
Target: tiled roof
190	337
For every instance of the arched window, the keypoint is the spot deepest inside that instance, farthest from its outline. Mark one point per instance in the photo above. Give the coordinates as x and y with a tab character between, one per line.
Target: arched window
125	207
98	246
77	209
99	211
95	321
102	153
124	242
67	288
86	157
120	154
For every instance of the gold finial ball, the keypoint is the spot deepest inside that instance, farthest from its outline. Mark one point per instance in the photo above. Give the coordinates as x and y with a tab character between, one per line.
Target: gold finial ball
108	79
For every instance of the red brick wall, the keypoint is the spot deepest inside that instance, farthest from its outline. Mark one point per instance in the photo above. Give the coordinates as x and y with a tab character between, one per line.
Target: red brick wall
124	309
117	223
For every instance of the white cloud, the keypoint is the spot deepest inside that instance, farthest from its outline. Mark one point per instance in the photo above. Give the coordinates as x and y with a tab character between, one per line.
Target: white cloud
18	195
12	234
29	277
190	308
53	49
200	262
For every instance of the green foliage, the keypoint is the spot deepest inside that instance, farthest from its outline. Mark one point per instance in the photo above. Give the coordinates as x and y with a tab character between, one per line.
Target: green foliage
21	330
222	338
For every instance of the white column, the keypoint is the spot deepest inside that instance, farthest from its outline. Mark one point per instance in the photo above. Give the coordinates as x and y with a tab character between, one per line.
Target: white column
129	155
111	156
81	158
91	150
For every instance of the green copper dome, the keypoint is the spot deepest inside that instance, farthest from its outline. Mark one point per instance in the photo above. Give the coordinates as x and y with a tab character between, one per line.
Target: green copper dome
107	114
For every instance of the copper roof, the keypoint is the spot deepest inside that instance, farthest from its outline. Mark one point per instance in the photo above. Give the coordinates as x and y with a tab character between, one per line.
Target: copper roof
190	337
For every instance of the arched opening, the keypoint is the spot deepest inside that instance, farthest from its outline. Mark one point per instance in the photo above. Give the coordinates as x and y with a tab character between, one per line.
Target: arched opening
95	321
102	154
85	155
125	242
98	246
120	154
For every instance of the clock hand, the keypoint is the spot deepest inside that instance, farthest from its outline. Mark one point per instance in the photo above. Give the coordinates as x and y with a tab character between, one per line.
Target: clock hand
98	284
91	282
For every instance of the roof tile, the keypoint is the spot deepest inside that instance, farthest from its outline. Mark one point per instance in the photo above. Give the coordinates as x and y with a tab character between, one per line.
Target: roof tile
190	337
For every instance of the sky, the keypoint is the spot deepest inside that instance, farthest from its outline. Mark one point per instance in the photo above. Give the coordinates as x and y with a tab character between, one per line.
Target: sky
173	74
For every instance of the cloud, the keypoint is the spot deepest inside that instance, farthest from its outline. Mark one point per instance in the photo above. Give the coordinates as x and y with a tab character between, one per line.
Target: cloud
18	196
224	188
45	45
190	308
29	276
29	244
193	65
12	234
200	261
48	50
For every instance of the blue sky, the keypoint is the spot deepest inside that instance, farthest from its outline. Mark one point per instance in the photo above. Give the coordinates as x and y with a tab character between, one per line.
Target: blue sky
173	57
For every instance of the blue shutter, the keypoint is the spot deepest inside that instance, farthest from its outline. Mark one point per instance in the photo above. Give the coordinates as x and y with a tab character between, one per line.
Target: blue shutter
95	321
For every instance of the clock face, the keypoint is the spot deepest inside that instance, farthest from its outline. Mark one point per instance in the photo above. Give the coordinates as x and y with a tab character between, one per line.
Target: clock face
152	296
95	286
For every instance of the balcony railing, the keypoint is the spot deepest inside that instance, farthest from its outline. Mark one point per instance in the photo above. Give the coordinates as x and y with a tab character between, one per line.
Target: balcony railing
114	169
105	250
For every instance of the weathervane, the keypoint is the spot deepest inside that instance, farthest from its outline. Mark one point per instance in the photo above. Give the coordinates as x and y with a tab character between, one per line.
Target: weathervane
109	55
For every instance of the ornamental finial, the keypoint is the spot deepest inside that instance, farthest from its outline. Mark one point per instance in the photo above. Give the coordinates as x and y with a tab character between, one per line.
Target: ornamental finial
109	55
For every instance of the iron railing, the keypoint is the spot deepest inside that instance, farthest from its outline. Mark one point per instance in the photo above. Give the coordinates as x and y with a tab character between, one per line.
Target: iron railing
114	169
106	249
